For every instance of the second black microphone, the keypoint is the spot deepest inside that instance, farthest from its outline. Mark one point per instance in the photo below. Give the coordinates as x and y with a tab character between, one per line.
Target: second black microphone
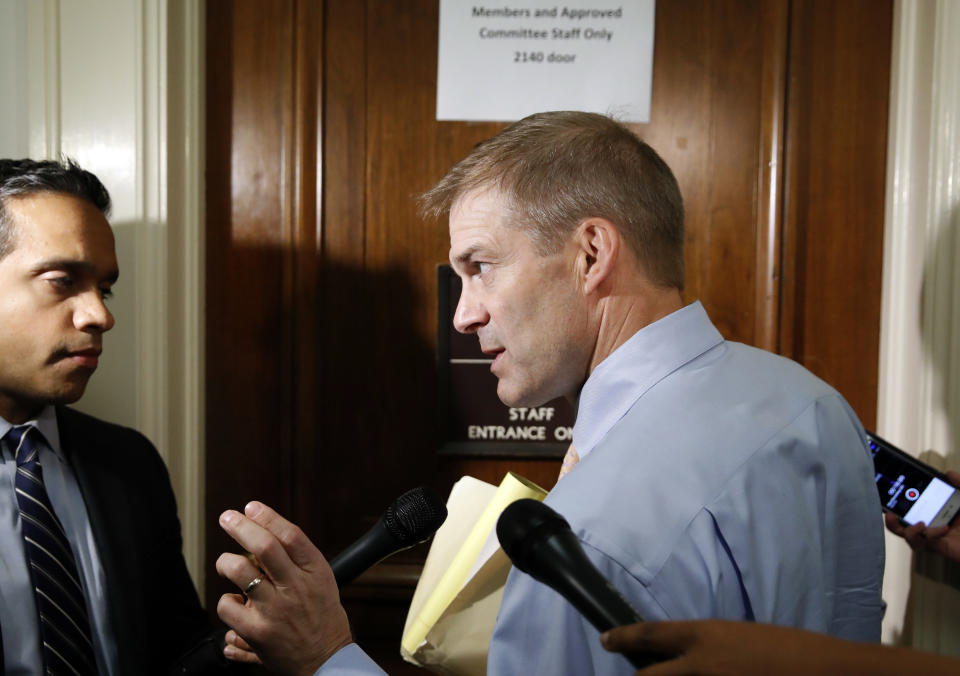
412	518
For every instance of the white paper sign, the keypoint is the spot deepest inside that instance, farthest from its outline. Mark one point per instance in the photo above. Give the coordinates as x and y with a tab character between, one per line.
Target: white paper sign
504	61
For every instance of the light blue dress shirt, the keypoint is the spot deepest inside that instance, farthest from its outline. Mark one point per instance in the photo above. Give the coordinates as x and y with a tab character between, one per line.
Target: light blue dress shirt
716	480
18	610
350	661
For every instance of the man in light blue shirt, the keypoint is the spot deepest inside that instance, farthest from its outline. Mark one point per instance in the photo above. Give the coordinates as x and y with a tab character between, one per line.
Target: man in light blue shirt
714	479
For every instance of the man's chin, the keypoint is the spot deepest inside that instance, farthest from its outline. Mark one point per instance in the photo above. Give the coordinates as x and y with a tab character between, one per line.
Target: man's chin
27	405
66	393
521	399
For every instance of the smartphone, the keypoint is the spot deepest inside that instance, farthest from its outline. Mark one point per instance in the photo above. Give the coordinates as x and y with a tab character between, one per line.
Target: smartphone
911	489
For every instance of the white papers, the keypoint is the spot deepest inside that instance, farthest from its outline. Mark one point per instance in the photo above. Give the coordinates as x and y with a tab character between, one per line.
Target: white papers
504	61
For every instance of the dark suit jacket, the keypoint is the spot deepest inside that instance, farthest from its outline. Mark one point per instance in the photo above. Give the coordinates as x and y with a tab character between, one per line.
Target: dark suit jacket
152	605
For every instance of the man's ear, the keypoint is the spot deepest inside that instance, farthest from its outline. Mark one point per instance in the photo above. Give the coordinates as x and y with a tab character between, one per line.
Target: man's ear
598	242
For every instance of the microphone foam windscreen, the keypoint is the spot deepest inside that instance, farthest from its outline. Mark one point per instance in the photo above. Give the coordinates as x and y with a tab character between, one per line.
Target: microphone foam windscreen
415	515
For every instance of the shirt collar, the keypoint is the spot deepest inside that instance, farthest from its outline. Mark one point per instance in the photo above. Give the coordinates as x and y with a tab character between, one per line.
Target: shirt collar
46	424
647	357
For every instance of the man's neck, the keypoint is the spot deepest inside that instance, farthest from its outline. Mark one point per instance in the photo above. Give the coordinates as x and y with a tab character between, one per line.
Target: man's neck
18	412
622	315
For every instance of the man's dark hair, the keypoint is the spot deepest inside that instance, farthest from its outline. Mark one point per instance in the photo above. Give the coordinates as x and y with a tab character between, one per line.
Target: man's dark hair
22	178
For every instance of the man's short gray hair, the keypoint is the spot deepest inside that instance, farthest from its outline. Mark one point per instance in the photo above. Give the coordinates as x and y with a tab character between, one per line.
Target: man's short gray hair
557	169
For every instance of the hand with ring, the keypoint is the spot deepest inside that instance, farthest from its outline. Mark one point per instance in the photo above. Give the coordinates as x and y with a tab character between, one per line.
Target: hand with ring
235	648
289	615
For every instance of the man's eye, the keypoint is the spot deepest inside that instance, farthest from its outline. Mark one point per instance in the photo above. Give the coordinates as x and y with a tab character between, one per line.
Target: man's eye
63	282
483	267
106	293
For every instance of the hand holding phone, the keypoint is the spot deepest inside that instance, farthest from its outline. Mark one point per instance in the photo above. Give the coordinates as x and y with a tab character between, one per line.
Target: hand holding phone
921	503
944	540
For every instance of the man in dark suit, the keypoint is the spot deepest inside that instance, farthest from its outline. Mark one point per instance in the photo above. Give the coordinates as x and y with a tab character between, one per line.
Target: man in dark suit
92	578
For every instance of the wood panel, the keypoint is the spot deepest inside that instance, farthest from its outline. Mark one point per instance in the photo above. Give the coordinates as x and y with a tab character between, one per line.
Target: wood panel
249	271
834	199
713	119
305	260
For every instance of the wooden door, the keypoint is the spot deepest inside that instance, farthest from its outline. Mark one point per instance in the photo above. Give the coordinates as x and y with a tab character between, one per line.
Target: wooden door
321	282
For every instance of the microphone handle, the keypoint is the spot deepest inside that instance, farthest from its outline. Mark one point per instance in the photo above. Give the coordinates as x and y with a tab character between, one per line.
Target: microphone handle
575	577
579	581
372	547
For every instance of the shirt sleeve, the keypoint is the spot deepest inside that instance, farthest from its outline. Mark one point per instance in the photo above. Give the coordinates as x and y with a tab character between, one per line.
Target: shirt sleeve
539	633
349	661
804	524
793	536
540	629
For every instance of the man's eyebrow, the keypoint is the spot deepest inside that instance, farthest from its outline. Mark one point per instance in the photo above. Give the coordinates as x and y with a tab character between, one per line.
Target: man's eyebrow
73	266
464	257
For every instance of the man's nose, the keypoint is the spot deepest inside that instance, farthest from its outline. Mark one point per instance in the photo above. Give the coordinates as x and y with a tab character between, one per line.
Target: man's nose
92	313
470	314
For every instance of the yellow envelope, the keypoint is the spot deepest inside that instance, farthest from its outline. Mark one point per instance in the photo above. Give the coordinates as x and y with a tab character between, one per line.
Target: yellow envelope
455	605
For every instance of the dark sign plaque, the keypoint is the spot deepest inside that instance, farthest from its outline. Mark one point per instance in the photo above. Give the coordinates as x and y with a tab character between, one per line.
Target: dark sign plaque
472	420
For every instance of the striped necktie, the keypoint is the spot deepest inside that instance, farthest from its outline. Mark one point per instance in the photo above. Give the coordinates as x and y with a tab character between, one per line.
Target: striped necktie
64	625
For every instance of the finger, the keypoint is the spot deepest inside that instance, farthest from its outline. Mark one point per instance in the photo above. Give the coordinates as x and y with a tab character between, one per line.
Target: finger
936	532
236	654
657	642
679	666
238	569
915	536
234	639
659	637
254	560
953	477
232	609
626	637
261	543
298	547
893	524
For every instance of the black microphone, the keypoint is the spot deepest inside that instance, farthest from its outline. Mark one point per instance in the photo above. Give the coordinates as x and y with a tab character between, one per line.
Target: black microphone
540	543
412	518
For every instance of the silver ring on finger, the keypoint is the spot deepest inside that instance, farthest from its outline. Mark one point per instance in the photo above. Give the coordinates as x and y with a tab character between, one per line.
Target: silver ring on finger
254	583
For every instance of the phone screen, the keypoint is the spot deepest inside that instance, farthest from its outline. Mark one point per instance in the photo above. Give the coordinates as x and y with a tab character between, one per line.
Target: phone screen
907	489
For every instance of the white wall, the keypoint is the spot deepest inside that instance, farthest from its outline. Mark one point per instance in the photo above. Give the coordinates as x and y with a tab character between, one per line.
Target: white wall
14	133
97	81
919	398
